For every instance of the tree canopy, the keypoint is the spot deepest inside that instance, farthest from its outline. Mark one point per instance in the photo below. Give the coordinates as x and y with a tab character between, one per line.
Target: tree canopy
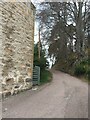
65	27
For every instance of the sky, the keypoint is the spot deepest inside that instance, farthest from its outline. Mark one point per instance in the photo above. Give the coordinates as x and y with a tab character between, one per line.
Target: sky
36	33
37	1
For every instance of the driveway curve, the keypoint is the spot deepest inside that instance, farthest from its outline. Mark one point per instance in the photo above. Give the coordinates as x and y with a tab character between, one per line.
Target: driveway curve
64	97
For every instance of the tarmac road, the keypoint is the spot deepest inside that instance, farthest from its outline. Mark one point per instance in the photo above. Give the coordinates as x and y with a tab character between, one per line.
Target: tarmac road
64	97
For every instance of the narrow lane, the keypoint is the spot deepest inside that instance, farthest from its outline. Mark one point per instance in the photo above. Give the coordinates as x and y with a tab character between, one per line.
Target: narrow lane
65	97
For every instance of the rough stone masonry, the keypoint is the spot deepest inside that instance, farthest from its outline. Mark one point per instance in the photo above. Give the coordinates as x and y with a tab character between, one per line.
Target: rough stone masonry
16	46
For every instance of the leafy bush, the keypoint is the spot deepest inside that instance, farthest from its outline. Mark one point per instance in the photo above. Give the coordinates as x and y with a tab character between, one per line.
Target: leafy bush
83	68
67	64
42	62
74	65
46	76
88	73
80	70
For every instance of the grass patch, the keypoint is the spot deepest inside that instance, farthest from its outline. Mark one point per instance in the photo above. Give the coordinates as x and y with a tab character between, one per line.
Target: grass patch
46	76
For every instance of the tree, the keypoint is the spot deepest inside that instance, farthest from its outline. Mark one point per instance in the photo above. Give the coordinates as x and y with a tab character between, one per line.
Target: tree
65	28
42	62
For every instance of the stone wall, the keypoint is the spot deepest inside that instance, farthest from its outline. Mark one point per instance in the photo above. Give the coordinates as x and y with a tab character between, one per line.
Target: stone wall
16	46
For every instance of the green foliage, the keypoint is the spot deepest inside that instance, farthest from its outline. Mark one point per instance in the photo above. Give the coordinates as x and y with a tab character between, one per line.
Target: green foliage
80	70
83	68
88	73
46	77
67	65
42	62
74	65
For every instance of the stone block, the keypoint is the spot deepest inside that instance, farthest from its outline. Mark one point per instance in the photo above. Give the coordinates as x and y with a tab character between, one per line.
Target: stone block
28	80
17	22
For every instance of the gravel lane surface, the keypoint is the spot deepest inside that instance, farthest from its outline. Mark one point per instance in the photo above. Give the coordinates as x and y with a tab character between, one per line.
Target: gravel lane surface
64	97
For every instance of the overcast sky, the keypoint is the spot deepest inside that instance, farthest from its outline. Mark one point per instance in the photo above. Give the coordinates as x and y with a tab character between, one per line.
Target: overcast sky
37	1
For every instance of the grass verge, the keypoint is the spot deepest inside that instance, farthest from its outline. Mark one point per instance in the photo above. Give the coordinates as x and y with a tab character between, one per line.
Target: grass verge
46	76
